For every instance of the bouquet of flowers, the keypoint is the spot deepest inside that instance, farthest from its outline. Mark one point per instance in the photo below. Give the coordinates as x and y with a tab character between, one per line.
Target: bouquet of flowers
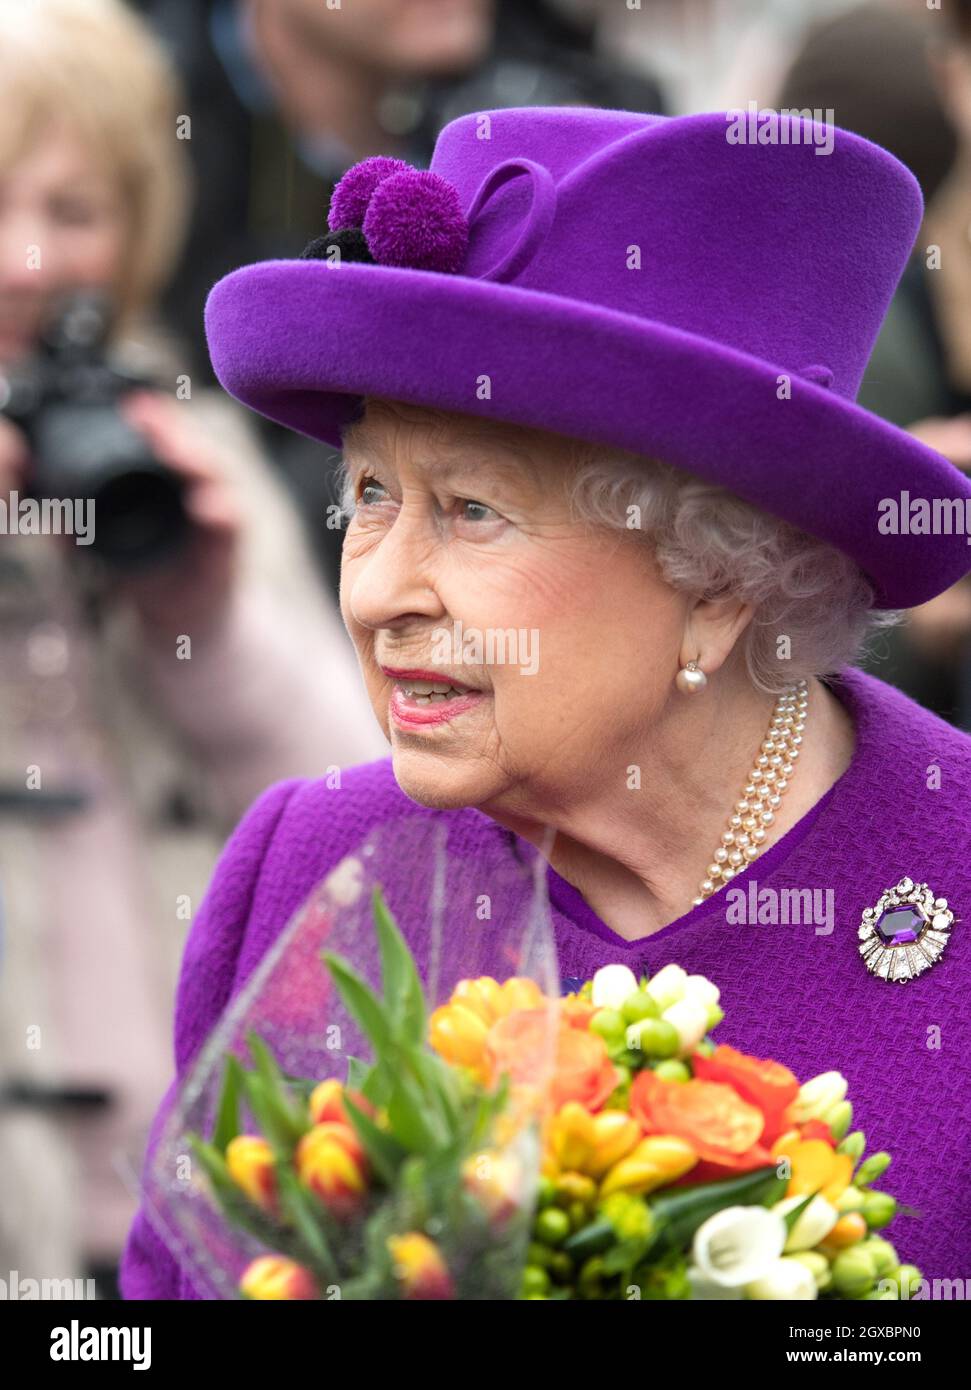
508	1143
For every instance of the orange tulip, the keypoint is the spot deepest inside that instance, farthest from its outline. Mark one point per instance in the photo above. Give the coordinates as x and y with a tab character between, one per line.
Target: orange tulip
419	1268
249	1160
331	1162
275	1277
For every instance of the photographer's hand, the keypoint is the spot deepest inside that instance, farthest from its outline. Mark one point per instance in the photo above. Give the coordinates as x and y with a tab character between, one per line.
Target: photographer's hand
193	590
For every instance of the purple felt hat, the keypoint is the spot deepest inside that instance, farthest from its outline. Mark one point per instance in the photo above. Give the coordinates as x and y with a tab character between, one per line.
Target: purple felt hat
702	289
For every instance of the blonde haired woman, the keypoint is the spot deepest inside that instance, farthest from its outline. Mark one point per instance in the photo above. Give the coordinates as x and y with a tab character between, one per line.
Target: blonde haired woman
137	711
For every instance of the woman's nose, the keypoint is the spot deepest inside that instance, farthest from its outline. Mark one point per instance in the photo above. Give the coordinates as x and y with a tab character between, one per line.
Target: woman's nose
394	581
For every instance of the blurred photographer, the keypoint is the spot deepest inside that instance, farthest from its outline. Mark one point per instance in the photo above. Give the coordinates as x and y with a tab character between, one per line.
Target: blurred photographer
144	659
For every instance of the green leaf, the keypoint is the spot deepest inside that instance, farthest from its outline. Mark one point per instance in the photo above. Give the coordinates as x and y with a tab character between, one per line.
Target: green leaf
399	975
409	1118
295	1121
361	1003
227	1111
299	1207
357	1074
383	1150
273	1124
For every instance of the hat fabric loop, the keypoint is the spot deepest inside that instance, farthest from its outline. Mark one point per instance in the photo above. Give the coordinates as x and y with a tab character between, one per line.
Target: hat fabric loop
538	220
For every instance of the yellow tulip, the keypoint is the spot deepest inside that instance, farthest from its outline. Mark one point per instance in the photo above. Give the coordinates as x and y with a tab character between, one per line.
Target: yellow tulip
249	1160
657	1160
419	1268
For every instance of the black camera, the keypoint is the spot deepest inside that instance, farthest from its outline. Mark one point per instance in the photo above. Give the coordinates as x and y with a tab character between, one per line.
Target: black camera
65	399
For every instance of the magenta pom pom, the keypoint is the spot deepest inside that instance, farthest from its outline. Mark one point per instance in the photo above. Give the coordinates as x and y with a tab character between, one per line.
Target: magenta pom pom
352	192
415	219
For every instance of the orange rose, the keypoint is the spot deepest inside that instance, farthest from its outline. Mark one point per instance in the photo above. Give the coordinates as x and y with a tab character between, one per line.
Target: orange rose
767	1085
521	1043
723	1129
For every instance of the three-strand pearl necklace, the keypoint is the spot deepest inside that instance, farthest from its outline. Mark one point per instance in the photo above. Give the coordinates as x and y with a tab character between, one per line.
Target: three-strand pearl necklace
754	812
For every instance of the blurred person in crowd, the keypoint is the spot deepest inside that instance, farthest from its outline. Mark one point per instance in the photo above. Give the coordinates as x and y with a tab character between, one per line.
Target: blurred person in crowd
284	95
140	695
902	78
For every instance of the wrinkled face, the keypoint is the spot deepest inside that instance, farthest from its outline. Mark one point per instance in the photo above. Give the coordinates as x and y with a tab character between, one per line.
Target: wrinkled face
63	226
513	654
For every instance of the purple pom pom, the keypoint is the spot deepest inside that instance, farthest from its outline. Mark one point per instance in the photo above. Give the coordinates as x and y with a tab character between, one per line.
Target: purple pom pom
352	192
415	219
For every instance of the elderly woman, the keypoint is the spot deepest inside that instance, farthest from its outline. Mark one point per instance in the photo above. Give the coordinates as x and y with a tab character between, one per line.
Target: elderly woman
594	375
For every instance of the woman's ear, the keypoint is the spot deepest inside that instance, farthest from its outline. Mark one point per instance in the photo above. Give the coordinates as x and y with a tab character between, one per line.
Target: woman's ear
712	628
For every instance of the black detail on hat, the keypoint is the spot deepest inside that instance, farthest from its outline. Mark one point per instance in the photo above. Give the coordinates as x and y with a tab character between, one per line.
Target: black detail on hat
350	242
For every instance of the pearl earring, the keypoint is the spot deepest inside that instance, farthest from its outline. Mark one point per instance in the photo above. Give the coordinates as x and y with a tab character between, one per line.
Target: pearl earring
690	678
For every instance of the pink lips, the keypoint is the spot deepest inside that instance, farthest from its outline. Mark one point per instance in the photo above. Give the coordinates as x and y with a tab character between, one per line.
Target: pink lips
408	714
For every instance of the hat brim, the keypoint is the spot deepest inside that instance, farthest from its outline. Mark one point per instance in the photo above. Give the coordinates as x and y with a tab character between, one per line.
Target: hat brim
300	341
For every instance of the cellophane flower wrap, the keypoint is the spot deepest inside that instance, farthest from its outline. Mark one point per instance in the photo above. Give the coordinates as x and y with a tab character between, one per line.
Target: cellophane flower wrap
400	1105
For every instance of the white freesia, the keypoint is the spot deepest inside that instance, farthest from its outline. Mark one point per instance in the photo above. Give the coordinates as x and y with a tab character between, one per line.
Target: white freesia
612	984
689	1016
701	988
738	1245
812	1226
667	986
785	1281
706	1290
818	1095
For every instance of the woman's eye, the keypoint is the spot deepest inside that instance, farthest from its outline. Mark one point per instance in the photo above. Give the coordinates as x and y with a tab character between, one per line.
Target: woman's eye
370	491
476	511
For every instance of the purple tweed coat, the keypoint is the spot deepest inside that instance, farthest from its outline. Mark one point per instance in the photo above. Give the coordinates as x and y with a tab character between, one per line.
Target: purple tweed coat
902	807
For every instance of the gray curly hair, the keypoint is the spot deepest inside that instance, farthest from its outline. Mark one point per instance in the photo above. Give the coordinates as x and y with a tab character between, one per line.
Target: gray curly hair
812	605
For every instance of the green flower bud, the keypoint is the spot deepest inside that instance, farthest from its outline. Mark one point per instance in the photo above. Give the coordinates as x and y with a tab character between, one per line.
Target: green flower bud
884	1255
552	1226
590	1277
654	1037
853	1272
879	1208
853	1144
610	1024
537	1254
715	1015
639	1005
545	1191
850	1199
817	1264
706	1047
561	1266
535	1282
871	1168
839	1118
579	1215
672	1070
906	1277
